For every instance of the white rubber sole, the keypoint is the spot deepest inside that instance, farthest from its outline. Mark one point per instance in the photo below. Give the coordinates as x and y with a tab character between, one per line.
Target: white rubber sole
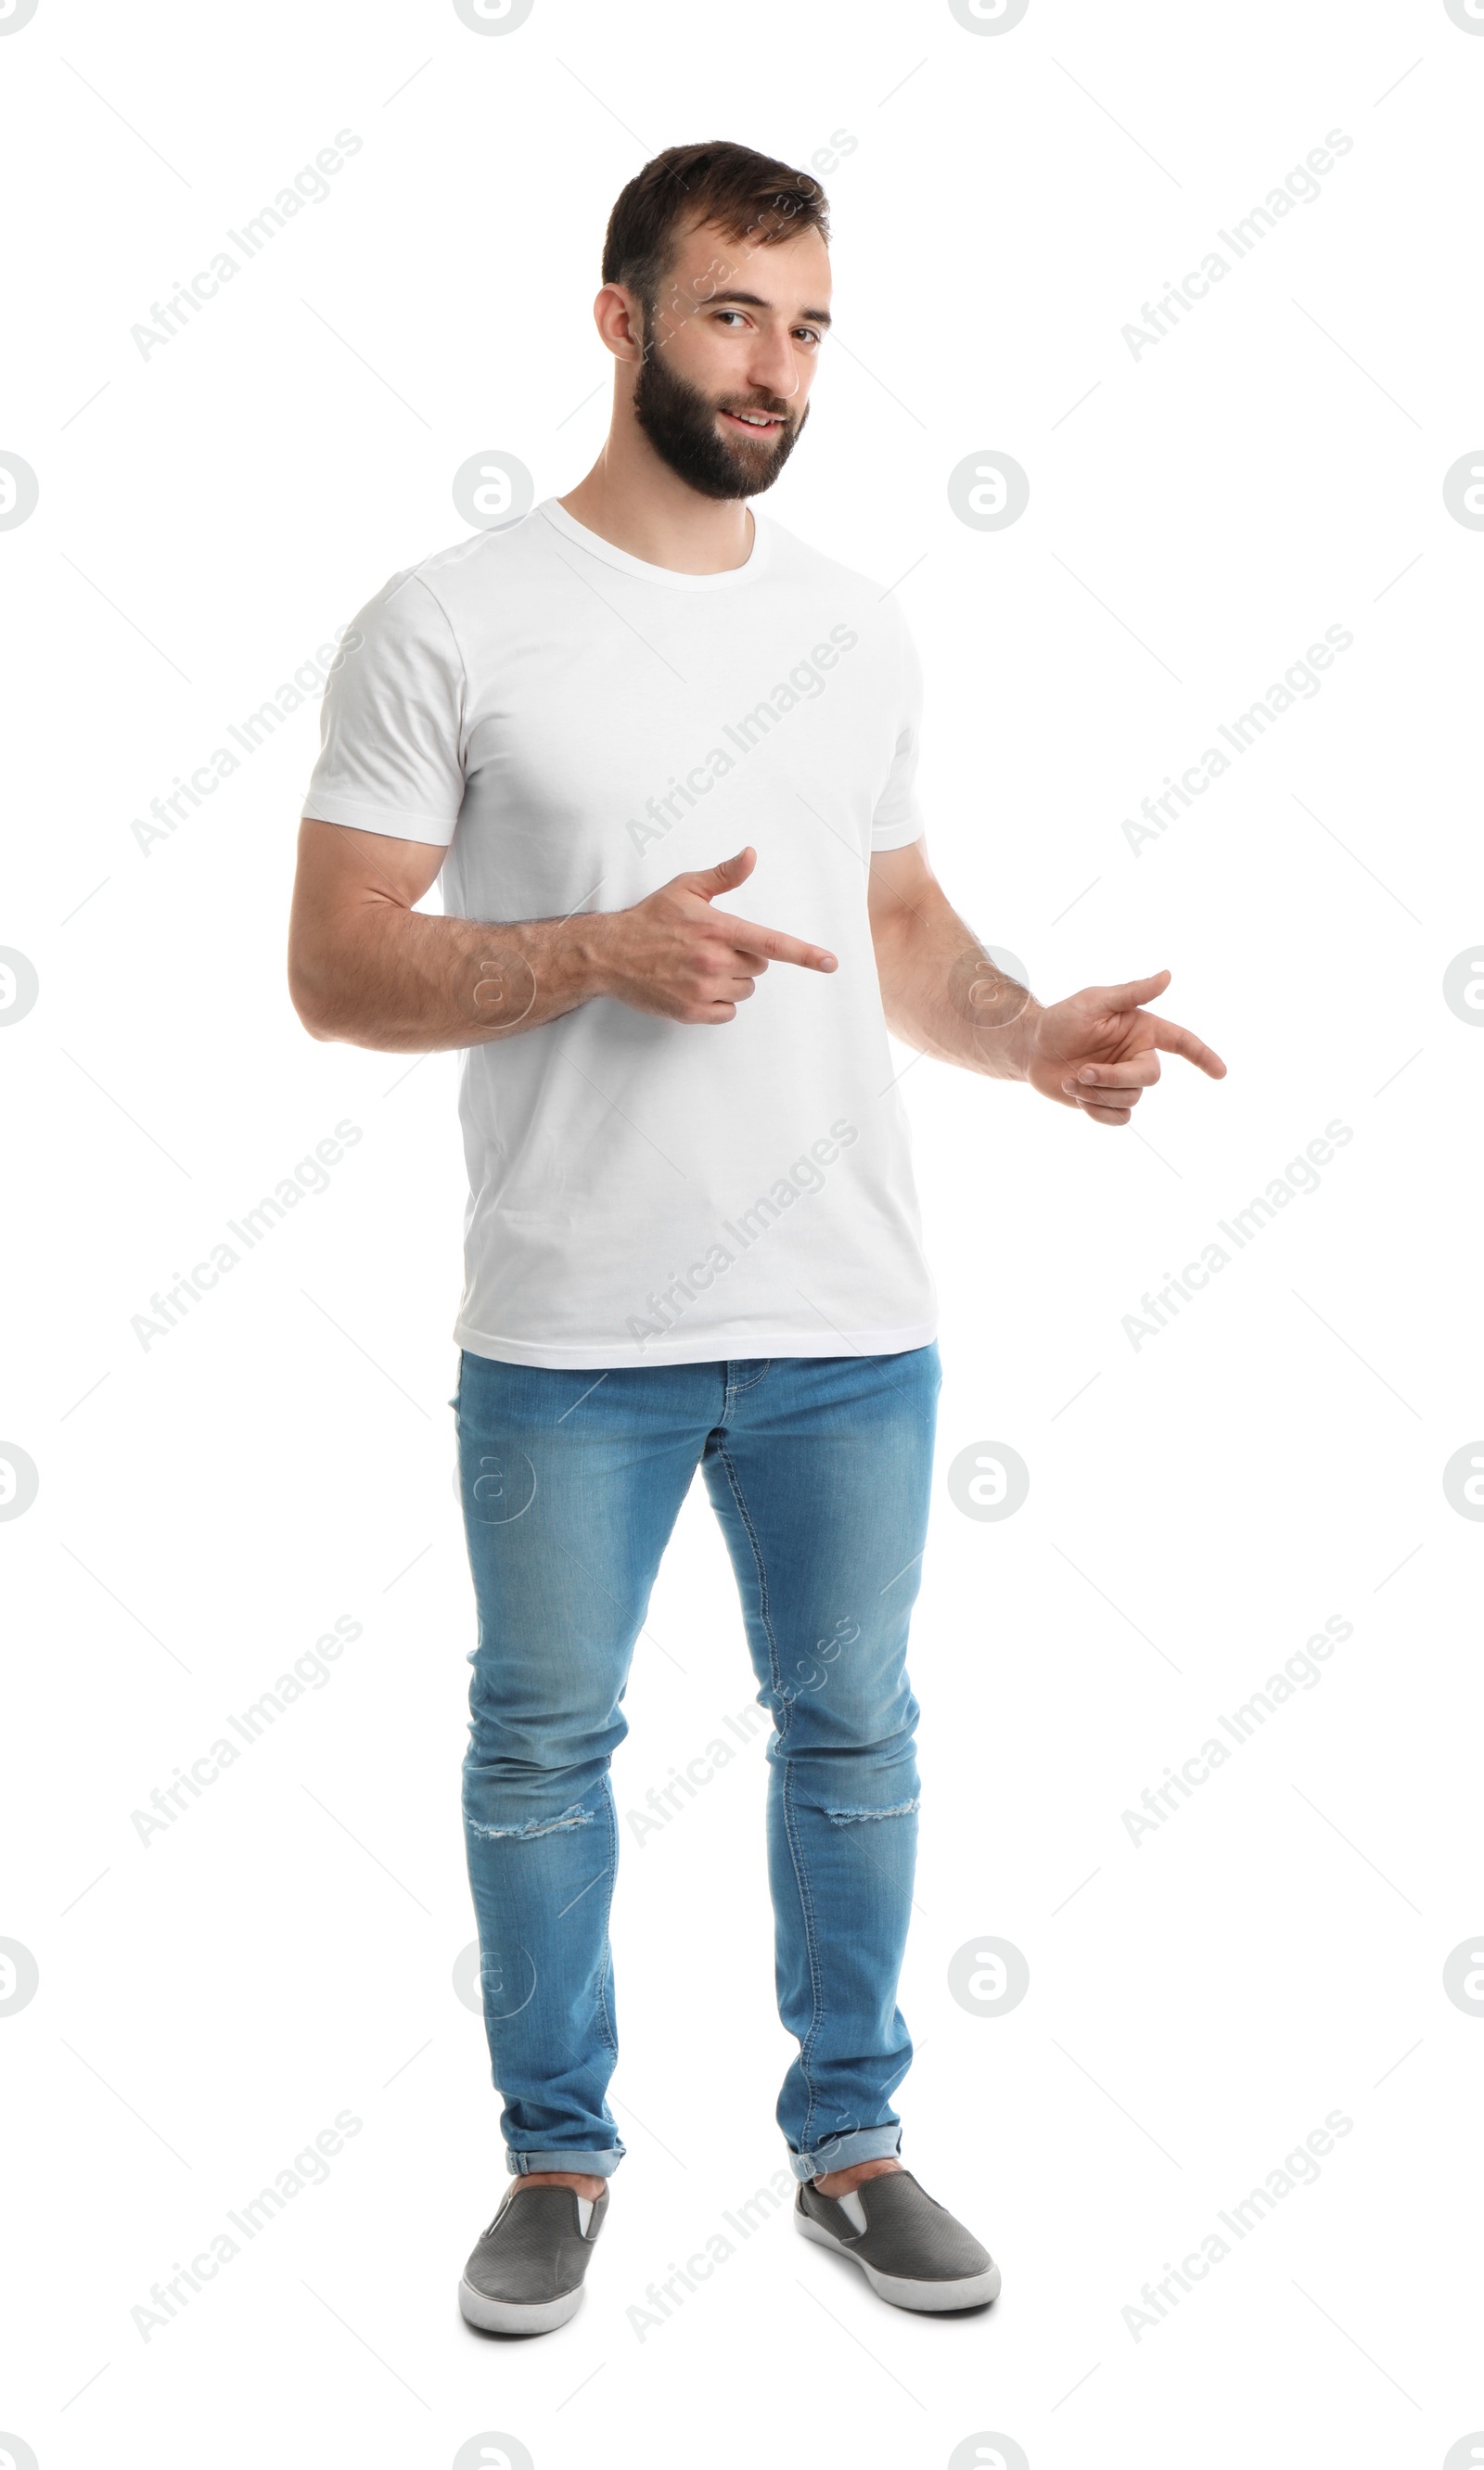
923	2298
507	2315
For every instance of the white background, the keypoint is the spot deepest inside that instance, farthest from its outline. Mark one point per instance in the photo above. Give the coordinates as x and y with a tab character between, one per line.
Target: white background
1198	1506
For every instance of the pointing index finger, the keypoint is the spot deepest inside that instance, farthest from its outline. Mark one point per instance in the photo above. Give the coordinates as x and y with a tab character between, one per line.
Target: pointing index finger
774	945
1173	1040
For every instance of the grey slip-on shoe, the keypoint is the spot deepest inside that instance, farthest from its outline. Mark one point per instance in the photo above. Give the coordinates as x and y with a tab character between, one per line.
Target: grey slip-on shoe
911	2249
525	2275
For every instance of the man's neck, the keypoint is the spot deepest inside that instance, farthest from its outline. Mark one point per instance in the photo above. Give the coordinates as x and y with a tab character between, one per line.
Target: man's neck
632	499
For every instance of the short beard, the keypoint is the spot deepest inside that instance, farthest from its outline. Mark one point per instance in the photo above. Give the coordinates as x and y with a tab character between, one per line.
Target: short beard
680	423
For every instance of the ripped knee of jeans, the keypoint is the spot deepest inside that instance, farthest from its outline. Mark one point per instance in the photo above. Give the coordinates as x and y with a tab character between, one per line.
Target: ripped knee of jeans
850	1817
574	1816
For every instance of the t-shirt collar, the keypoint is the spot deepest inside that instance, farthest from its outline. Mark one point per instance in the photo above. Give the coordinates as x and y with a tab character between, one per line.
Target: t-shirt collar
667	575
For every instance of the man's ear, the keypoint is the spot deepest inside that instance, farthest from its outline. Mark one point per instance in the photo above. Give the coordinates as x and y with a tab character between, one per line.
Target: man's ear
621	322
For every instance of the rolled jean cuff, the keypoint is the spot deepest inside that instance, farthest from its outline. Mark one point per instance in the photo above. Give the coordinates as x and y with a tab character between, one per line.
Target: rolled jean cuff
866	2144
591	2165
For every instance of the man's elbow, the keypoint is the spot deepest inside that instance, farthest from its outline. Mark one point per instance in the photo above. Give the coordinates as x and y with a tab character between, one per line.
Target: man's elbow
310	993
890	936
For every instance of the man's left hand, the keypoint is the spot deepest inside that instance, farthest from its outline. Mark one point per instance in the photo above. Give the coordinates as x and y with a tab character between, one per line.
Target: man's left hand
1100	1050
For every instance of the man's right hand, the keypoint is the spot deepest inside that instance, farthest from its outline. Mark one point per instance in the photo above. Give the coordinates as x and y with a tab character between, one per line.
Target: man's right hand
674	955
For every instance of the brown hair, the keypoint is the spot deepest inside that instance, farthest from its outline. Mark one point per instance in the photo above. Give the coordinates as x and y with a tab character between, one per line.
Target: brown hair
748	196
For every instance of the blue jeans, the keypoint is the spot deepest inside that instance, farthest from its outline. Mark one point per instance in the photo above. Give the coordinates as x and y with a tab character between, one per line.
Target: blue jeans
819	1469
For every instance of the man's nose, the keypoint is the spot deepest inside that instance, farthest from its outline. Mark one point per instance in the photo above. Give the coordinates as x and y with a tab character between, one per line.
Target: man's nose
773	368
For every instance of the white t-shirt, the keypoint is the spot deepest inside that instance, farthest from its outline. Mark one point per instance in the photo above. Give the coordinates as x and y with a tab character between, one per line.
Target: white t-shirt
577	727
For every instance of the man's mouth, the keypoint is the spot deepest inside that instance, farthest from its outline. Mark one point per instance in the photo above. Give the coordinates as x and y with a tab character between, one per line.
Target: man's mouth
757	423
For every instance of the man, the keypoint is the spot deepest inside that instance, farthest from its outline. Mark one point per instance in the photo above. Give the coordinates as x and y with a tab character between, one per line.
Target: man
598	725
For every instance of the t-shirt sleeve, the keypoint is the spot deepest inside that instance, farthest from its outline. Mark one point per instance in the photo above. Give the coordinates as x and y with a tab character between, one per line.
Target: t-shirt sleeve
391	749
898	817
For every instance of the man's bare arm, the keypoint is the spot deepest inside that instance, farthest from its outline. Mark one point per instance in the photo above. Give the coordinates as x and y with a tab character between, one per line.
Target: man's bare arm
366	968
940	989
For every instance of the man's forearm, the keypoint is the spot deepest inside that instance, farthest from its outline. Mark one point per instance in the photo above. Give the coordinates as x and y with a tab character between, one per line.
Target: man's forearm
941	992
398	980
